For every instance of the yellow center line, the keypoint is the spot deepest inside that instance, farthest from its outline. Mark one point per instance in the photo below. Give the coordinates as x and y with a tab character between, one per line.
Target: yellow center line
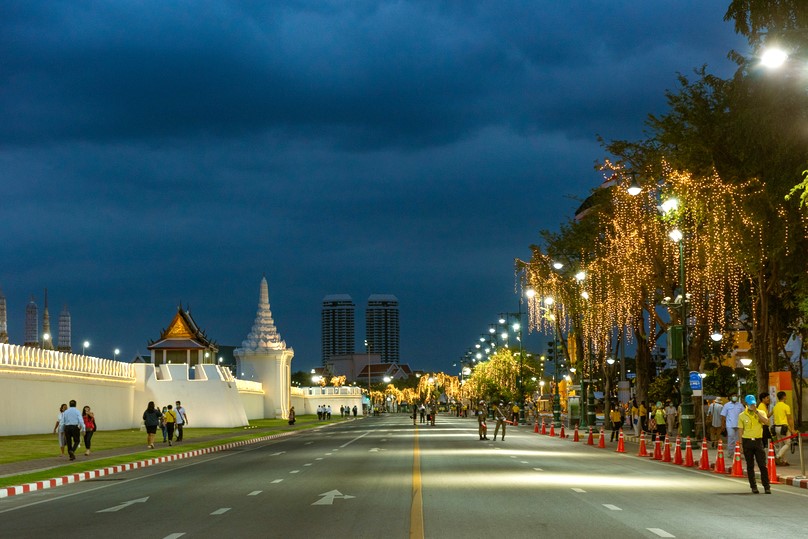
417	507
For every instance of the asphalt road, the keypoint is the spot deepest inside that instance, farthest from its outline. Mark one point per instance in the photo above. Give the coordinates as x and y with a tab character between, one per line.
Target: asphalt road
382	477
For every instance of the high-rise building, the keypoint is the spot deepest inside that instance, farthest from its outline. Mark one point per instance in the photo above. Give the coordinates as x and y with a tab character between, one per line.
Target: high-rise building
382	327
64	344
31	324
47	336
338	331
3	319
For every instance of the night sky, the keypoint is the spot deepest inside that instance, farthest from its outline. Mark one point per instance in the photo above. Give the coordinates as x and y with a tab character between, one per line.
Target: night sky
153	153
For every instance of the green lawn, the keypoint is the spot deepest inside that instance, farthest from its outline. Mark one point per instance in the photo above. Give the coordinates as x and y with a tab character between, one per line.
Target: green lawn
37	446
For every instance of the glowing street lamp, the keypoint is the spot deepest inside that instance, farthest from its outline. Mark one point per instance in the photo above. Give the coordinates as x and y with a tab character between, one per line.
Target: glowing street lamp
115	353
84	346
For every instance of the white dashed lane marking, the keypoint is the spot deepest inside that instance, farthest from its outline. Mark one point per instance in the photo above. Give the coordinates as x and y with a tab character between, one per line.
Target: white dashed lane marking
277	480
307	464
319	458
255	493
578	490
295	471
539	469
611	507
660	532
221	511
174	535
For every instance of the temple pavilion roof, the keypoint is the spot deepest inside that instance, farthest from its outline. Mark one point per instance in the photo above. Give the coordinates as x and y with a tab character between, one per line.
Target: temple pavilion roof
183	334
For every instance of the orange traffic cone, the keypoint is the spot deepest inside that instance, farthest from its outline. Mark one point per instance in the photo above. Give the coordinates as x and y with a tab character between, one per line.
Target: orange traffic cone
689	454
657	449
561	434
737	467
704	460
666	452
543	426
621	448
590	440
602	442
719	460
677	453
552	429
536	427
643	450
772	465
575	437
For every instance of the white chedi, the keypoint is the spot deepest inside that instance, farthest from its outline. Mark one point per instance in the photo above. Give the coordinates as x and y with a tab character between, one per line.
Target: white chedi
264	334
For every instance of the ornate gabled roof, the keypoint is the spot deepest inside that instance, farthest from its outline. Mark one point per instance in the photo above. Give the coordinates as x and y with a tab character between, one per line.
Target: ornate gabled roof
182	333
264	335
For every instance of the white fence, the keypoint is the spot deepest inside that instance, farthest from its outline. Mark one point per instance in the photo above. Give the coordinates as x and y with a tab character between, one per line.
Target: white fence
36	360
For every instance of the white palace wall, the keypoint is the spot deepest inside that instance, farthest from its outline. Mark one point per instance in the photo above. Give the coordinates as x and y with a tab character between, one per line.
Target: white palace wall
34	382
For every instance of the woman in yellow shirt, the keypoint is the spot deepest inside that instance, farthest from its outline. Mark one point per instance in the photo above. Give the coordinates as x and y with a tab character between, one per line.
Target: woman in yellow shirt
616	419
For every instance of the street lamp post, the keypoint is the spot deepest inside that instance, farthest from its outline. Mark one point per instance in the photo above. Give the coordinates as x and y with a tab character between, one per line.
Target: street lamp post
84	346
115	353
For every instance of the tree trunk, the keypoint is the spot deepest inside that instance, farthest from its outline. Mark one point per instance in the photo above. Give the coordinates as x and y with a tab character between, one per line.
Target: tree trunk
642	362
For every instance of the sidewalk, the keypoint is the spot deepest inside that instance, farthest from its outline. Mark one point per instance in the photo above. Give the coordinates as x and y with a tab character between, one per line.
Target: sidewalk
786	475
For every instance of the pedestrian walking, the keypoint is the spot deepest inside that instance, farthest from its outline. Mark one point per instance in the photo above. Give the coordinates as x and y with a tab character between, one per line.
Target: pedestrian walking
729	421
90	427
751	423
292	415
783	426
59	430
182	420
482	414
714	420
499	416
616	420
354	411
328	412
433	411
162	424
73	427
170	421
643	417
151	419
670	417
422	412
658	415
634	417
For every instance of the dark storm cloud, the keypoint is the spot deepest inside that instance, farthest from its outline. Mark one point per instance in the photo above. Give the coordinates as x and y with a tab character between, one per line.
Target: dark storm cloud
157	152
356	73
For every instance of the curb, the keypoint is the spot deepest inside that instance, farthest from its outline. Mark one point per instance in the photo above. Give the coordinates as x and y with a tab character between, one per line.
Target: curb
5	492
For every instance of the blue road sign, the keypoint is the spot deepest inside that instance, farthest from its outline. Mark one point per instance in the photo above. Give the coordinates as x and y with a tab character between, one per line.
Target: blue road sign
695	381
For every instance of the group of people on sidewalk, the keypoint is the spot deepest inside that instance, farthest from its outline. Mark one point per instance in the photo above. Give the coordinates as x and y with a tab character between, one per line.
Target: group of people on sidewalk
169	420
71	426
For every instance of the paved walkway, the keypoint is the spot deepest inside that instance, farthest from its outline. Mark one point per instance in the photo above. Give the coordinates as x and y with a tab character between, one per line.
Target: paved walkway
787	475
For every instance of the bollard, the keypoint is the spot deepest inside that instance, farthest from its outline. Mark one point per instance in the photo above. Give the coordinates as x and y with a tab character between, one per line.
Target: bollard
737	467
719	459
689	454
643	450
666	452
772	465
677	453
657	448
704	460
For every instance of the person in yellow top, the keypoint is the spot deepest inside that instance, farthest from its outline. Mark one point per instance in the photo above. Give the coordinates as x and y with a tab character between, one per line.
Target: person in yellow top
616	420
635	417
515	414
751	423
170	418
643	416
783	425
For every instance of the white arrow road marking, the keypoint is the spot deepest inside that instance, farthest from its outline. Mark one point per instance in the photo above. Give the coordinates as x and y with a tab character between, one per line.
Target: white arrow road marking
612	507
660	532
124	505
255	493
221	511
328	497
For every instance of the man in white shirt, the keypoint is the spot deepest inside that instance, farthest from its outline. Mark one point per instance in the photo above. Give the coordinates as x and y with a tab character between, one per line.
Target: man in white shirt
182	419
729	421
73	427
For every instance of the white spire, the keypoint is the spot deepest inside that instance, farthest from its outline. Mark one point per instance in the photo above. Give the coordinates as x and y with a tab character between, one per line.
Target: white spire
264	335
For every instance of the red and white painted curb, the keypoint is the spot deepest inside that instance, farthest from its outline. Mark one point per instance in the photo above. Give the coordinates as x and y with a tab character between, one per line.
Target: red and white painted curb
84	476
